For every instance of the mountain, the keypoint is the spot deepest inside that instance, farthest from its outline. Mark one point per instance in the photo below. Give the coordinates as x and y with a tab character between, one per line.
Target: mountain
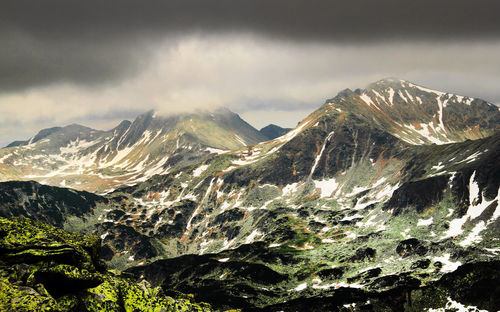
348	199
92	160
273	131
419	115
383	199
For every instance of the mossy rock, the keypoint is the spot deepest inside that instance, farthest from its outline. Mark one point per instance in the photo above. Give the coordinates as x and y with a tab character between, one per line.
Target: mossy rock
44	268
25	241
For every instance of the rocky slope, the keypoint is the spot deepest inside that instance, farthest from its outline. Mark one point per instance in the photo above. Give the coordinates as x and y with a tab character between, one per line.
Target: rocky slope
336	165
257	278
43	268
98	161
343	192
434	219
82	212
419	115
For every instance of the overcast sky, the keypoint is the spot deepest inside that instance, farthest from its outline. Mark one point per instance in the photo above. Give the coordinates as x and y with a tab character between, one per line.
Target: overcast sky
99	62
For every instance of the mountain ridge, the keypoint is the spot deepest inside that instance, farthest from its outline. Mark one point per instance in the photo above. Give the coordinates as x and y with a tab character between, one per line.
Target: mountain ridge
419	115
92	160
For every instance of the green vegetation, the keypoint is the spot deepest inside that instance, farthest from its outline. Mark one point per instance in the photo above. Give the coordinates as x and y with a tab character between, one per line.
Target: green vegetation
44	268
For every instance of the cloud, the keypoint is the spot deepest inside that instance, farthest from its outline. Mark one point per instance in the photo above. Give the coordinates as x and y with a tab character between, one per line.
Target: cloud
267	81
96	43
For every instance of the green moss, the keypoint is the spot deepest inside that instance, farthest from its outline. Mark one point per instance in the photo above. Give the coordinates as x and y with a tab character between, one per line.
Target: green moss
117	294
19	298
28	240
44	268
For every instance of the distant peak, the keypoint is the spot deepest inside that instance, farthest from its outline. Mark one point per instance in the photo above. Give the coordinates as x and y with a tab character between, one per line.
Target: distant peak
389	82
271	126
273	131
124	124
149	113
75	126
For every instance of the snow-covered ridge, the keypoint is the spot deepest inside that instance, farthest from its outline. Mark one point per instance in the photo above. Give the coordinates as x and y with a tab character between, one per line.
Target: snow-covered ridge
130	153
419	115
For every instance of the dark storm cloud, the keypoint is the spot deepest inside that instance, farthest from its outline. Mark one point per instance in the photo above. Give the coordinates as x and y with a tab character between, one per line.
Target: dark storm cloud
30	61
91	42
298	19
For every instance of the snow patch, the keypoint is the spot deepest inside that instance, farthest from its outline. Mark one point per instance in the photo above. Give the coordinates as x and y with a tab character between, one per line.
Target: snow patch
475	209
367	99
337	285
215	150
291	134
391	96
328	241
252	236
474	236
448	266
321	152
198	171
453	305
301	287
424	222
327	187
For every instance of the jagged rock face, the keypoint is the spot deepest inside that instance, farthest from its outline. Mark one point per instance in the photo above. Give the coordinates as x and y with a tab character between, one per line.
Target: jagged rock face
43	268
92	160
420	115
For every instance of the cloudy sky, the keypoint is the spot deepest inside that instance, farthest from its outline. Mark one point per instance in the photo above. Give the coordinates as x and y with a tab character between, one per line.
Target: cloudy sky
98	62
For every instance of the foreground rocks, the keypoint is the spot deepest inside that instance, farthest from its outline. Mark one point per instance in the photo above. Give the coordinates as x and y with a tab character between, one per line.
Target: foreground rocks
256	278
43	268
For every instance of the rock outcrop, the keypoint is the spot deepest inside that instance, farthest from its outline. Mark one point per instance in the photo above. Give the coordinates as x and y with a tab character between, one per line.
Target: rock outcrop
44	268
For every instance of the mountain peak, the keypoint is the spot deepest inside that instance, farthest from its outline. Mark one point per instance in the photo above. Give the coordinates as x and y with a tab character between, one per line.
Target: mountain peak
76	127
416	114
273	131
391	82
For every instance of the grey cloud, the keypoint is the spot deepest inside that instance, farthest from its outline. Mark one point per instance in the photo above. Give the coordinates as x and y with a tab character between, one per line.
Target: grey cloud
318	19
27	61
94	42
247	104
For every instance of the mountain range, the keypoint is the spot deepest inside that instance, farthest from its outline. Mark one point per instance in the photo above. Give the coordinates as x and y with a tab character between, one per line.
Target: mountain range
383	199
87	159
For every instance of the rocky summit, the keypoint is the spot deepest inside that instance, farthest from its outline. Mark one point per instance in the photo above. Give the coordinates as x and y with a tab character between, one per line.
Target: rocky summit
383	199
